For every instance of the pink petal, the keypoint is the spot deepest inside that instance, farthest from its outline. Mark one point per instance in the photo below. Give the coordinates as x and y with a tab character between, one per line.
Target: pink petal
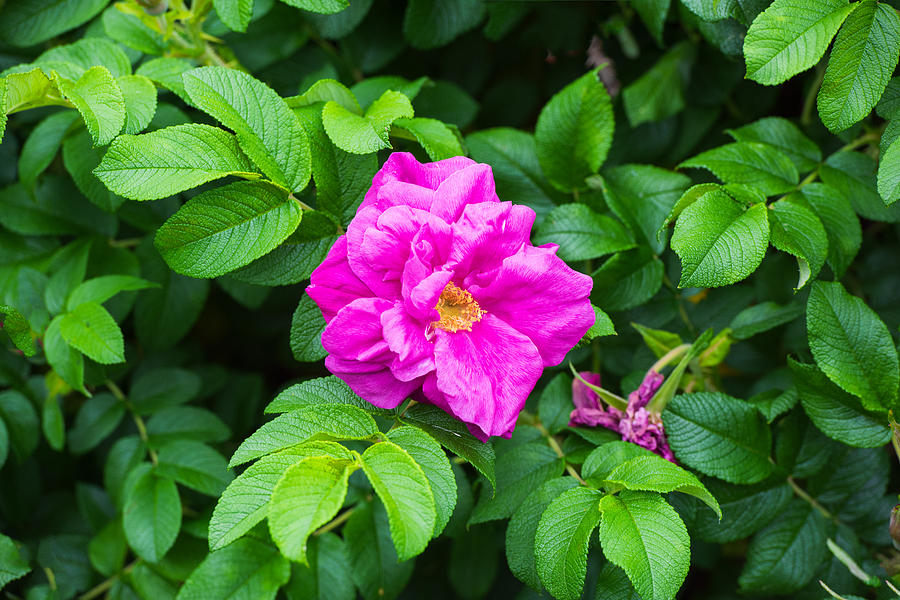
472	185
387	245
356	333
542	297
582	395
405	337
404	168
333	284
378	387
486	233
485	375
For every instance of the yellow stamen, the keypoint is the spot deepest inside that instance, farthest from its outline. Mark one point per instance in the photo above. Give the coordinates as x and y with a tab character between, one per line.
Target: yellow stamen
458	310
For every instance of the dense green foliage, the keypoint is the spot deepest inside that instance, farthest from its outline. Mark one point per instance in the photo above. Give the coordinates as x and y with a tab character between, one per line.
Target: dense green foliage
172	171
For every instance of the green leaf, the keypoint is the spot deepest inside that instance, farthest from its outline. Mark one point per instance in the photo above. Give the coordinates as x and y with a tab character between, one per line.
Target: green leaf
574	132
325	90
403	488
42	145
836	413
561	541
164	162
797	230
555	403
152	513
513	158
225	228
520	533
185	423
296	258
21	421
236	14
720	436
341	178
745	509
603	326
653	14
322	390
245	502
711	10
641	533
52	423
627	279
307	325
266	128
581	233
376	571
247	569
96	419
438	140
864	56
453	436
72	60
784	556
719	241
155	389
89	328
759	165
19	331
130	31
140	102
53	208
655	474
434	23
166	72
852	346
329	575
642	196
520	470
763	317
852	175
783	135
99	99
80	158
613	584
30	89
889	174
195	465
370	132
604	459
324	421
431	458
12	566
30	22
64	359
325	7
841	224
100	289
307	496
791	36
108	548
659	92
4	443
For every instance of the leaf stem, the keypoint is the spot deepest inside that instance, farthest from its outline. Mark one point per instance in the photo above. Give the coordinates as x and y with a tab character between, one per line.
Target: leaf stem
810	101
138	421
554	445
98	589
810	500
336	522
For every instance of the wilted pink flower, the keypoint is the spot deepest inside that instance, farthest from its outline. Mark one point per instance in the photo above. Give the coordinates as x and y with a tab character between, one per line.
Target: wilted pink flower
637	425
436	293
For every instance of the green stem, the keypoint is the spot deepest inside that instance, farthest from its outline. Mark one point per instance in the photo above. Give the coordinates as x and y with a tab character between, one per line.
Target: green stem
100	588
335	523
674	353
851	565
138	421
810	102
554	445
810	500
605	395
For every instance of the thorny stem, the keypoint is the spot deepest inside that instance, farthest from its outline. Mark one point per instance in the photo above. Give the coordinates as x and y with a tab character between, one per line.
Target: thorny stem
138	421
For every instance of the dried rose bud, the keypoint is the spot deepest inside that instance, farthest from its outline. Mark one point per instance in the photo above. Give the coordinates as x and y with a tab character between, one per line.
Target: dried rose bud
895	526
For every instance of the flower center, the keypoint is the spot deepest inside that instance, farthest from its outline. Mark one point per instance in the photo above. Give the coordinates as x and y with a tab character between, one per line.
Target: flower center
458	310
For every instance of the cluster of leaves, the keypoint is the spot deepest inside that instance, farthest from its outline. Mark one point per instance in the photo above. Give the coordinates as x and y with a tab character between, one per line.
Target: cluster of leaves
173	171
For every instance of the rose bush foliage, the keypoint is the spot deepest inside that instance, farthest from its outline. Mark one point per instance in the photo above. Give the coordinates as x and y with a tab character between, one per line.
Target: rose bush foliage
317	299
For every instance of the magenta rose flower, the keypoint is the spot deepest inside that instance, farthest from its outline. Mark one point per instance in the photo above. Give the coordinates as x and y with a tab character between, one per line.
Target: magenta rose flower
636	424
436	293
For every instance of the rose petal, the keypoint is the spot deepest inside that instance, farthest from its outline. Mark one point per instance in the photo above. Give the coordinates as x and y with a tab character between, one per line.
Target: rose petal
334	285
486	233
404	168
542	297
405	336
486	374
582	395
378	387
472	185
